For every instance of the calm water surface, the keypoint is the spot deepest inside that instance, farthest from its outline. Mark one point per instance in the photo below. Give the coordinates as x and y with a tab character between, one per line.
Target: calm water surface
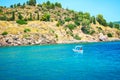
100	61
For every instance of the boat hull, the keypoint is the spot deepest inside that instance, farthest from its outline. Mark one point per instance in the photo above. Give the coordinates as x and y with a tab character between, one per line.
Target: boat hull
78	51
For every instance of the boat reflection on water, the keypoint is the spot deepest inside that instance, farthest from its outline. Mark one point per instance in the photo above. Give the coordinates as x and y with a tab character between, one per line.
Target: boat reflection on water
78	49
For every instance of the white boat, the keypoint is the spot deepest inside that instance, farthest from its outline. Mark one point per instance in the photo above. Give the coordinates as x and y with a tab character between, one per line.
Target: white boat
78	49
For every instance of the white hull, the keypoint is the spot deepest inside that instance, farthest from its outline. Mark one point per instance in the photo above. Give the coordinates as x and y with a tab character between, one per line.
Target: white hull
78	51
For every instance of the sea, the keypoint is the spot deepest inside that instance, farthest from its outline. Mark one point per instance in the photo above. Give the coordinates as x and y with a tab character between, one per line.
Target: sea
99	61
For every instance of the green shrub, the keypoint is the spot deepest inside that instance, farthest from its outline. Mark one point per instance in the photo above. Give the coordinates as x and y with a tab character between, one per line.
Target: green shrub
30	18
92	32
13	16
20	16
71	34
110	24
46	17
60	23
71	26
109	35
21	22
85	22
5	33
4	17
56	36
26	36
58	5
88	30
117	26
99	29
27	30
1	10
101	20
67	19
77	37
93	20
77	22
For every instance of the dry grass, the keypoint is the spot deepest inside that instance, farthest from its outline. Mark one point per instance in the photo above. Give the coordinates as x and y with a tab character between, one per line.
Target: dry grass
51	30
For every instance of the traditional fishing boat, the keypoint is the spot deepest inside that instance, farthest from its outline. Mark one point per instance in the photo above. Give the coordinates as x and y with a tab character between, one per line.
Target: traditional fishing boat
78	49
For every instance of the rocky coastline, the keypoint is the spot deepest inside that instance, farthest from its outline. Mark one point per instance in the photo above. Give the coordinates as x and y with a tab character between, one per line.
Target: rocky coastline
48	33
15	40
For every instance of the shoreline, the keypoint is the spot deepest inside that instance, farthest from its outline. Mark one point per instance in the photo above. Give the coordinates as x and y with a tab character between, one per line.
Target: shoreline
78	42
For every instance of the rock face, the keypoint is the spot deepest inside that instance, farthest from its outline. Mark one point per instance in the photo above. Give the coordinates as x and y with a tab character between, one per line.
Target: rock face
14	40
103	37
2	41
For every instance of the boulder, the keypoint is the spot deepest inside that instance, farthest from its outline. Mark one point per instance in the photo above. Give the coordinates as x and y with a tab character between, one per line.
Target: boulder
103	37
2	41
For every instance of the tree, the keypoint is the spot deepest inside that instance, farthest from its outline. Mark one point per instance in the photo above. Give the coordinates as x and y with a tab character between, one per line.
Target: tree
71	26
109	35
23	4
15	5
93	20
48	3
30	17
27	2
101	20
86	15
32	2
110	24
38	16
77	22
20	16
52	6
13	16
1	10
67	19
87	30
18	4
39	5
117	26
60	22
11	6
78	17
58	5
85	22
46	17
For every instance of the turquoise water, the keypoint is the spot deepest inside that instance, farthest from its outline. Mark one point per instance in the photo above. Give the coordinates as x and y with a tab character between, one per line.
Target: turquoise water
100	61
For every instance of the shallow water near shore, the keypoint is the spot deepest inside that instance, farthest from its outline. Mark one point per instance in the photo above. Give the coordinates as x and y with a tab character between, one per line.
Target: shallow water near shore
100	61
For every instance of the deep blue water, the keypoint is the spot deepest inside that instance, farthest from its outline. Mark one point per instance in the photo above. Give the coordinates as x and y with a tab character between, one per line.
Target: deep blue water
100	61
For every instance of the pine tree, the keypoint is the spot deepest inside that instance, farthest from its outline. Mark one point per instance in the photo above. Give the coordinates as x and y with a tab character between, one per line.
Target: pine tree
38	16
32	2
101	20
11	6
13	16
18	4
20	16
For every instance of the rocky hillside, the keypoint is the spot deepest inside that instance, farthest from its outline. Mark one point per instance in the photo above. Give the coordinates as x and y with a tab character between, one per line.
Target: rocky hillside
47	23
